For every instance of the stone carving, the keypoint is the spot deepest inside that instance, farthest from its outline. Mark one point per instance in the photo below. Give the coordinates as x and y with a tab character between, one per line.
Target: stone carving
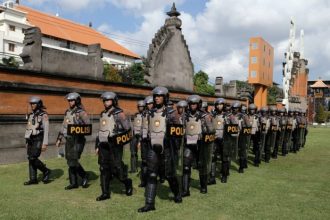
49	60
168	58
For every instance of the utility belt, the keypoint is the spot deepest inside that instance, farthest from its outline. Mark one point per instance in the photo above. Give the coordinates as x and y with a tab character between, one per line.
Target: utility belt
36	136
301	126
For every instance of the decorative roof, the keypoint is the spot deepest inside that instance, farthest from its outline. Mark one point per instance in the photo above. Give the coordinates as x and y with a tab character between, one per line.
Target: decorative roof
319	84
67	30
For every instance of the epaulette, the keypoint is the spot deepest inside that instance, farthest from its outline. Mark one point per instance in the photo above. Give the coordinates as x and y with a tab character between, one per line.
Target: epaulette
169	110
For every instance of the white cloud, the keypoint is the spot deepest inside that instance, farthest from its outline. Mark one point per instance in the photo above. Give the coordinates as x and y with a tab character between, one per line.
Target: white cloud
218	35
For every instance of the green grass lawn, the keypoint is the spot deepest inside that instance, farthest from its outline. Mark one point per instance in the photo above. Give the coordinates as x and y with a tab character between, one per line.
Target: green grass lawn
292	187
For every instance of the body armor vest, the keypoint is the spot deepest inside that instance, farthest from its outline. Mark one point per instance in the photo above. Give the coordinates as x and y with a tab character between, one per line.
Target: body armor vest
71	117
193	129
282	123
264	123
274	123
137	123
34	125
145	125
254	123
218	123
289	125
246	125
232	125
107	126
157	128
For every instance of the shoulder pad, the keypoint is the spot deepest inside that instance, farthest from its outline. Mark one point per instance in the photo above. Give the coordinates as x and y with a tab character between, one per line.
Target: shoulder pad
117	111
79	110
169	110
42	113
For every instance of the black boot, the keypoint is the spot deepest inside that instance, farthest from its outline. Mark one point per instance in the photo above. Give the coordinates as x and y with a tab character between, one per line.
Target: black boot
241	166
143	176
46	172
133	165
225	171
185	185
212	180
72	178
175	188
128	186
105	184
32	174
203	183
84	176
150	198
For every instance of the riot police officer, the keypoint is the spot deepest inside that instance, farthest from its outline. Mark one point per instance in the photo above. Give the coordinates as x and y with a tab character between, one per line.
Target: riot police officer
136	140
244	139
160	118
181	108
198	125
74	145
145	142
264	127
231	133
204	107
114	133
218	123
282	120
255	132
272	132
287	145
296	131
36	136
305	130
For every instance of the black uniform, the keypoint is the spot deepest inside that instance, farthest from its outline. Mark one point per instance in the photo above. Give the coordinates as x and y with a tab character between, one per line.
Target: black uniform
114	132
36	135
74	145
160	154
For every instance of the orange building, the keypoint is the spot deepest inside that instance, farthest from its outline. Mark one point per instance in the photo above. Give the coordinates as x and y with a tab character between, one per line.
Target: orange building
261	62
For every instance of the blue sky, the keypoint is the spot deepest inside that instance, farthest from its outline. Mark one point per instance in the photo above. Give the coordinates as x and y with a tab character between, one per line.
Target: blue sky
217	31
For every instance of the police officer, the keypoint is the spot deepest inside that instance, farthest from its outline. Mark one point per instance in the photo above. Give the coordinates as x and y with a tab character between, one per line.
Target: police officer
296	131
287	144
272	132
145	142
204	107
113	134
36	136
244	139
218	123
136	140
282	121
305	131
198	125
255	132
231	132
181	108
160	150
264	127
74	145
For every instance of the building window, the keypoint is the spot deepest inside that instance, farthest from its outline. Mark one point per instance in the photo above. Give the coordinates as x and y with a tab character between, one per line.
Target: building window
11	47
253	60
253	74
11	27
254	46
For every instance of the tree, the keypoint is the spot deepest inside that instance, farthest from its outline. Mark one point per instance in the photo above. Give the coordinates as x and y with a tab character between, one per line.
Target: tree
10	61
274	92
320	116
134	74
201	84
111	73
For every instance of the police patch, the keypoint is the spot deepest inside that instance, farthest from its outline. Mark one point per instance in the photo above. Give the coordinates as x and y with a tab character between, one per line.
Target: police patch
85	129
